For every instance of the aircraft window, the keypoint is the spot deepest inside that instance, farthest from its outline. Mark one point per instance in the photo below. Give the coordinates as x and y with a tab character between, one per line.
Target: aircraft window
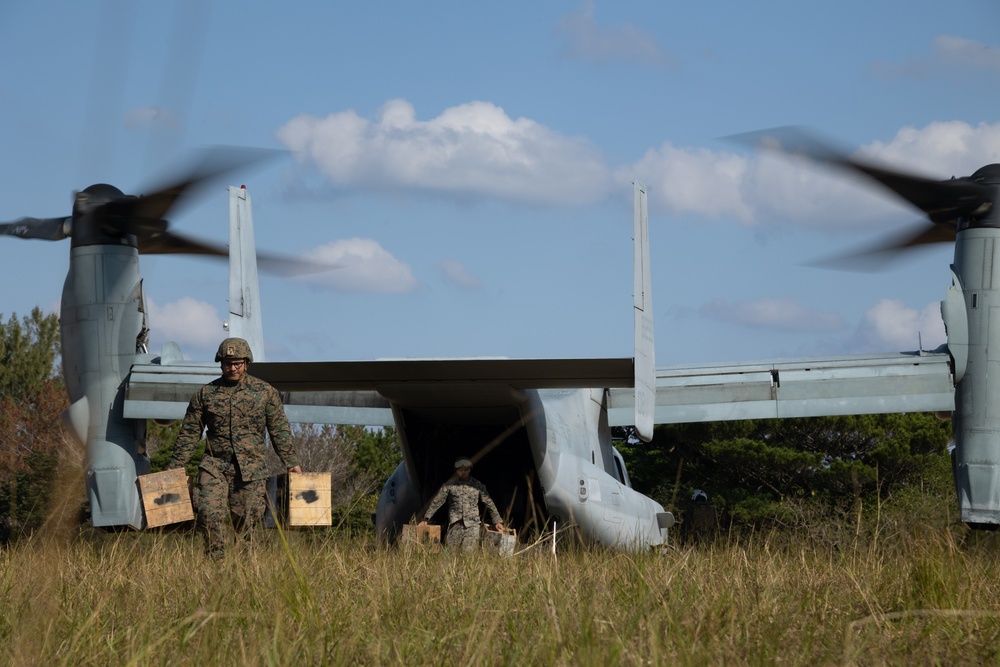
620	467
620	470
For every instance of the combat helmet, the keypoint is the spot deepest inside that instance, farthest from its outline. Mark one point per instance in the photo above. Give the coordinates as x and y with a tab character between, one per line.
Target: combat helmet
234	348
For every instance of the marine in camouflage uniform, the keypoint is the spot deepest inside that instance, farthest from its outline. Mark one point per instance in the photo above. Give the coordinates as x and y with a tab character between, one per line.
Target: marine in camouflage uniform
463	493
236	409
700	520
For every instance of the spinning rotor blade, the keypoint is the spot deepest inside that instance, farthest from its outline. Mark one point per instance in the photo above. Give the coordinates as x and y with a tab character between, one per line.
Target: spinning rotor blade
875	257
145	214
942	201
290	267
170	243
46	229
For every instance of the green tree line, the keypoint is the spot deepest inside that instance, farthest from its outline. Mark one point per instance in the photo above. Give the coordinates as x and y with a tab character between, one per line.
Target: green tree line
778	471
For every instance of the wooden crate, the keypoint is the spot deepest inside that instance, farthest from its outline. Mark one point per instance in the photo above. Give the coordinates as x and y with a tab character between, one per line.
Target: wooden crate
500	542
309	499
166	498
421	537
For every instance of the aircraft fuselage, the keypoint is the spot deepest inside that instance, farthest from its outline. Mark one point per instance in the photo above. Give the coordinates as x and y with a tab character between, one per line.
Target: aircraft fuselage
976	420
545	455
103	326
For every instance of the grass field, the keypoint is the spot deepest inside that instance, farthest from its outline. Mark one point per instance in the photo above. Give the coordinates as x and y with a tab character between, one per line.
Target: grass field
914	595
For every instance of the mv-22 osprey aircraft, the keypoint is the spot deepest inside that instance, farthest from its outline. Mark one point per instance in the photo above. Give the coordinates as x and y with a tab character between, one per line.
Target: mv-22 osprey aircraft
540	428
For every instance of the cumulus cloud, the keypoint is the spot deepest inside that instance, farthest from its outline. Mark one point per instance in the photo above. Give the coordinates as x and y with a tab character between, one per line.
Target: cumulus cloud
363	265
477	150
890	324
766	188
755	190
694	180
187	321
586	40
940	149
470	150
456	273
773	313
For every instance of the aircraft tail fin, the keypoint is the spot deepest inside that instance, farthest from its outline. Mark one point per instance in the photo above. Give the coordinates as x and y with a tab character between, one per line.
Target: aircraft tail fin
244	291
645	359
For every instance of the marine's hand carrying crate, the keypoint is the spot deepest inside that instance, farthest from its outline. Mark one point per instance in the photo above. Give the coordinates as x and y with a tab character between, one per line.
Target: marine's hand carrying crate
166	498
421	537
309	499
500	541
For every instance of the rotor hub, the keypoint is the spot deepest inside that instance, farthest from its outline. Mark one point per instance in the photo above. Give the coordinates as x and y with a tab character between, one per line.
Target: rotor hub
90	222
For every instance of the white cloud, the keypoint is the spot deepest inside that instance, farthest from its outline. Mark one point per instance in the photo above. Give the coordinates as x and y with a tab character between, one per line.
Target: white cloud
455	272
471	150
761	189
586	40
477	150
363	266
890	323
694	180
773	313
959	51
186	321
765	188
939	150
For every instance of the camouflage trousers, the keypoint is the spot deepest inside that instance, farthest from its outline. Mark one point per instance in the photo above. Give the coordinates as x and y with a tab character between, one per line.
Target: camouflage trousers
461	537
224	503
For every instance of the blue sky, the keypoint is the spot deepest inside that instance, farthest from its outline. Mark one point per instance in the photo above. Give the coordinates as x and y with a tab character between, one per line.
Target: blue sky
472	163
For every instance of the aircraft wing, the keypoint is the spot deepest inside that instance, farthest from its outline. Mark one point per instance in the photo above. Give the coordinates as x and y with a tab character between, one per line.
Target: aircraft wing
823	386
155	391
347	392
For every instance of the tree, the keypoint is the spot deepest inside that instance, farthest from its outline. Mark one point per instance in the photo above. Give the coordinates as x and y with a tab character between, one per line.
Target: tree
757	471
377	453
160	439
28	352
31	435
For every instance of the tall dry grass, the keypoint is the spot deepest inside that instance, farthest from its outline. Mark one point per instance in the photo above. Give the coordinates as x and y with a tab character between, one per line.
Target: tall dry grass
909	595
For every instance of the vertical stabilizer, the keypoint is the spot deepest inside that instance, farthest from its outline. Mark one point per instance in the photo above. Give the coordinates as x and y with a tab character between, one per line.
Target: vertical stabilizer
244	291
645	361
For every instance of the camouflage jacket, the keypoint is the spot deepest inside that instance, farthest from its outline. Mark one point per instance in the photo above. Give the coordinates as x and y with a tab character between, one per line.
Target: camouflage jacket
463	502
236	417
